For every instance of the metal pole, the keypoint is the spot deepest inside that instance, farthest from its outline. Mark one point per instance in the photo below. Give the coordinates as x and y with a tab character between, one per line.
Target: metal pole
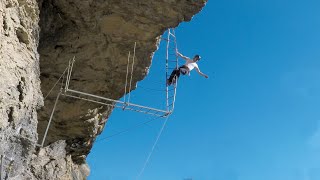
133	58
167	66
176	84
67	79
69	73
71	70
112	100
95	96
126	84
54	107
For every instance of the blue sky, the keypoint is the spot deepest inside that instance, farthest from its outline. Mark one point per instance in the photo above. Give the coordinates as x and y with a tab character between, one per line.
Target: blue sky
257	117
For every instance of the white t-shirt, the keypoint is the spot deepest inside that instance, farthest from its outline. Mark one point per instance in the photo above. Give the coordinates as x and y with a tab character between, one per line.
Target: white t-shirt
191	65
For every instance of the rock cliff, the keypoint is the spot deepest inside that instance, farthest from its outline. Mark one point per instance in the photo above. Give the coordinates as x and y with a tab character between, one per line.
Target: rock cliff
38	38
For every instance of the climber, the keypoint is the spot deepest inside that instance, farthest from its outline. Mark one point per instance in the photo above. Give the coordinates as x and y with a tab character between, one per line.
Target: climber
185	69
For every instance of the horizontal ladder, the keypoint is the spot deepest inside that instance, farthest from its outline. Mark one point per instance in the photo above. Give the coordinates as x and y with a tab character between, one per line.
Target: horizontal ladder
115	103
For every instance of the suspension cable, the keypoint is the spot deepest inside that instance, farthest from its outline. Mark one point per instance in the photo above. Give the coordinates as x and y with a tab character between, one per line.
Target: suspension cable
62	75
152	149
128	129
48	125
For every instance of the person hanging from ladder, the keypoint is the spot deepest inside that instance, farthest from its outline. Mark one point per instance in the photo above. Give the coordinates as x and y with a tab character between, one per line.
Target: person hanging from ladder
185	69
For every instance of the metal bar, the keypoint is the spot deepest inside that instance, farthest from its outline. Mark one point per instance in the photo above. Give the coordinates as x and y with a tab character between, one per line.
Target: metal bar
133	109
174	96
172	34
73	60
117	101
62	82
153	109
140	109
171	97
67	79
125	86
166	39
155	113
167	73
133	58
68	95
54	107
92	95
176	84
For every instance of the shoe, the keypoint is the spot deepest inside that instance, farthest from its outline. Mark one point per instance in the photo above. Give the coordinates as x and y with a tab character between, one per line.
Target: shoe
168	82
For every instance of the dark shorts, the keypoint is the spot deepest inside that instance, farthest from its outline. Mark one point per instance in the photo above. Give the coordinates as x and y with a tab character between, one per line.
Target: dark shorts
176	73
184	70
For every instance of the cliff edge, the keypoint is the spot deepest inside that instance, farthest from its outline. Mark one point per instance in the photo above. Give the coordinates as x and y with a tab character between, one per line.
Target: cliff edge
38	38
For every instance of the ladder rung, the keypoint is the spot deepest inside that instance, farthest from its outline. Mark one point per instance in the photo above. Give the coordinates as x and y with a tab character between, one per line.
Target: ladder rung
156	113
166	39
171	97
171	104
172	34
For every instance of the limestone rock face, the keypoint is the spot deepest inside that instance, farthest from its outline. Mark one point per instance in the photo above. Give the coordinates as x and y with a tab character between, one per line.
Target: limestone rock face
37	39
20	94
53	162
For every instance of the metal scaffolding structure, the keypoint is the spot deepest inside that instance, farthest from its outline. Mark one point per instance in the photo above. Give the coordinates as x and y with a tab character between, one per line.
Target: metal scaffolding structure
171	64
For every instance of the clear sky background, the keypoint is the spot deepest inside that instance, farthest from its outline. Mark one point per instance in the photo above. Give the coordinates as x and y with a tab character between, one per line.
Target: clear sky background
257	117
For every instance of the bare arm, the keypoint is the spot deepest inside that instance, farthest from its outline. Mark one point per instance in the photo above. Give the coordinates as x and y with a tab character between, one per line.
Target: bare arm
201	73
183	57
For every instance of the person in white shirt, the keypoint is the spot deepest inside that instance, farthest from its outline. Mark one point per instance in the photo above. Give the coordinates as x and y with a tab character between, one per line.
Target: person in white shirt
185	69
